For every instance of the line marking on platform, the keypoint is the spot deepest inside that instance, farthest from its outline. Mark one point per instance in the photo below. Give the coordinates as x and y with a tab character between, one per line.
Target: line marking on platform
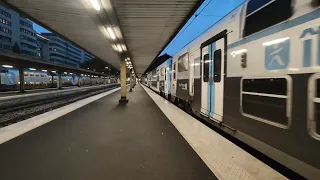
9	132
225	159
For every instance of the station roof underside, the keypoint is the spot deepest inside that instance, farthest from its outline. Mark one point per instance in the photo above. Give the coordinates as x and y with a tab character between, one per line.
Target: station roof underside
146	26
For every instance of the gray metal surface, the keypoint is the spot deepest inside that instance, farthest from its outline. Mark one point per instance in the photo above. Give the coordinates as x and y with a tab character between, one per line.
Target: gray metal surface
104	140
147	25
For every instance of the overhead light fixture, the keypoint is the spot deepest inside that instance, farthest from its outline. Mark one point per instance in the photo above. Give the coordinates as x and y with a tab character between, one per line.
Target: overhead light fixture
44	70
95	4
124	47
7	66
106	67
54	71
32	69
111	33
114	47
70	73
119	48
87	68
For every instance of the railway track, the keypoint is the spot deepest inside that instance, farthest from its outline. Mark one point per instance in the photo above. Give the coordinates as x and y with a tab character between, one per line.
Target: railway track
21	110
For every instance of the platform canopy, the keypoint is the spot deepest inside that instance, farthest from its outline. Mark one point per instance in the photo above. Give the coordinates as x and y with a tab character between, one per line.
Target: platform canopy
142	28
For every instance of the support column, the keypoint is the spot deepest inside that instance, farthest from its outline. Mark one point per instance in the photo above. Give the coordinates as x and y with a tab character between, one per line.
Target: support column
21	79
90	80
131	81
59	82
123	81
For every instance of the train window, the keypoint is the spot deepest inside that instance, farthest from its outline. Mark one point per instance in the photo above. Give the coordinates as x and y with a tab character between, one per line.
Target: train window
31	74
206	68
315	3
174	71
314	106
267	100
276	11
25	74
183	63
165	74
217	65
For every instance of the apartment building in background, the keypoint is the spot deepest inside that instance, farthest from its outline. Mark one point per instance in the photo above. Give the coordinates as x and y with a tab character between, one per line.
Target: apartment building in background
18	35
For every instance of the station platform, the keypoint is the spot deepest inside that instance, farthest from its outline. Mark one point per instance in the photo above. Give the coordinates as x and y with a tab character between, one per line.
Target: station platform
148	138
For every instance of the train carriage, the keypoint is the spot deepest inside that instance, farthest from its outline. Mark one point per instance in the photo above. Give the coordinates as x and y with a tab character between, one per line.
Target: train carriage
255	74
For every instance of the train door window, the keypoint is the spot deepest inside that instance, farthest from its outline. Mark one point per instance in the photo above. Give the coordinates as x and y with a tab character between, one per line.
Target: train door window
217	65
165	74
206	68
257	11
267	100
314	106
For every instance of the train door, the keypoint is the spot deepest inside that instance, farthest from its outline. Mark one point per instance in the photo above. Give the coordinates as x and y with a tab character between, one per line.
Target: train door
212	88
174	79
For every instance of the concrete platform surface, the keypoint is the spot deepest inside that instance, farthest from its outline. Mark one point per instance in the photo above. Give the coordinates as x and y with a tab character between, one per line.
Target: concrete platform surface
104	140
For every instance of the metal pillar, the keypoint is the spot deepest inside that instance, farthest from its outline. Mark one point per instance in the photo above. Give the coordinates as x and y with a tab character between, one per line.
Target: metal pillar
90	80
21	79
59	82
123	81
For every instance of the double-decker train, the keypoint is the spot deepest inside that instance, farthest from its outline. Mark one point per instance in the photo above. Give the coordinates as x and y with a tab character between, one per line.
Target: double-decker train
9	79
256	75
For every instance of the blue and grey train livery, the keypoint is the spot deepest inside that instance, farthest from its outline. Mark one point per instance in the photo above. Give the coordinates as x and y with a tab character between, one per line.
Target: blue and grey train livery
256	75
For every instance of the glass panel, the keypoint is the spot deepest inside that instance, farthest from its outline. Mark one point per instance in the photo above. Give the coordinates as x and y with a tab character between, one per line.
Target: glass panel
217	65
268	86
278	11
268	108
317	117
183	63
206	68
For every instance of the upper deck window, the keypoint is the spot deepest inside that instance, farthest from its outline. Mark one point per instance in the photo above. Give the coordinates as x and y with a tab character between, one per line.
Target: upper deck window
183	62
262	14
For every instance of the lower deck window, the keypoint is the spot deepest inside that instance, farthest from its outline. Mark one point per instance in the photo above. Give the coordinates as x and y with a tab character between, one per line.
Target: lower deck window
314	106
317	118
267	100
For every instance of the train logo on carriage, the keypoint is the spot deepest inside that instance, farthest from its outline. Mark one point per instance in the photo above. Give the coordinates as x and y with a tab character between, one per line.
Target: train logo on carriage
277	54
74	79
307	36
10	78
